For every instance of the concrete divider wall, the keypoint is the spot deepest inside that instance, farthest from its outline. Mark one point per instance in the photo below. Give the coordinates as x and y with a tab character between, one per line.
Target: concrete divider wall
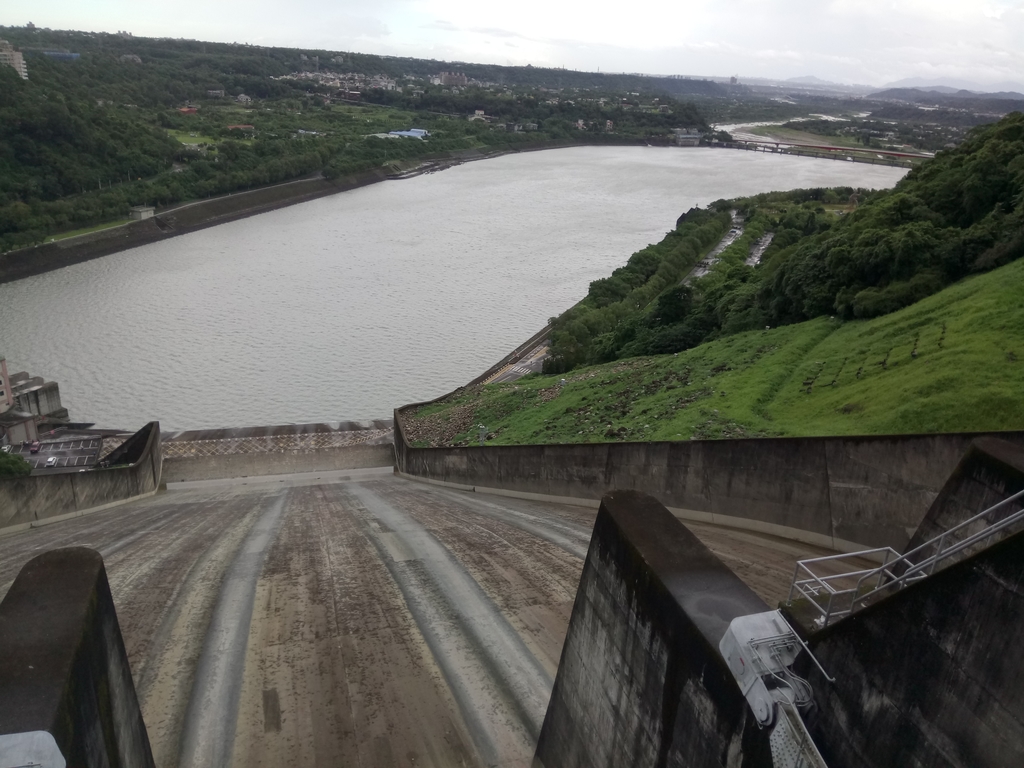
176	470
641	681
28	500
66	689
989	473
840	492
931	677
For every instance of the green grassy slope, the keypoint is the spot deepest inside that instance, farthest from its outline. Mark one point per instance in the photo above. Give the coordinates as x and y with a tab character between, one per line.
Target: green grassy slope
952	362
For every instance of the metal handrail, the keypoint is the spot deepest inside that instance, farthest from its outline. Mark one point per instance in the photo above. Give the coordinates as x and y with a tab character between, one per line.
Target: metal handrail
891	575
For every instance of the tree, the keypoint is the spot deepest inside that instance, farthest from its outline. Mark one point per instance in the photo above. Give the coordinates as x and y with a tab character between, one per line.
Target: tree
13	465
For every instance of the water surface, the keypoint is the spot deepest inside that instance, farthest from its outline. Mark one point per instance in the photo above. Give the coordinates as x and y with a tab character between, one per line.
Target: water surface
348	306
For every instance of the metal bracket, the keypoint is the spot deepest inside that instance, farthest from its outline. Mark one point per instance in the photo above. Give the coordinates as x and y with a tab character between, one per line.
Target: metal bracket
760	650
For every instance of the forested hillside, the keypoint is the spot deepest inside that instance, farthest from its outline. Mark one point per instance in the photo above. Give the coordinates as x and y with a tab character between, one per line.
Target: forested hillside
834	253
85	138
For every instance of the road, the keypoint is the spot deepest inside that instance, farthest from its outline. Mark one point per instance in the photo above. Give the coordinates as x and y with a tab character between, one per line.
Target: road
349	618
532	361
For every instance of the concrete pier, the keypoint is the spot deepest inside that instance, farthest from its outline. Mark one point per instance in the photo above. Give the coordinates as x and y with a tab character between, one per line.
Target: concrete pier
66	690
641	681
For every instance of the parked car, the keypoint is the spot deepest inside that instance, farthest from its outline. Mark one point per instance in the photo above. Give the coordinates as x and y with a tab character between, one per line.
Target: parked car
33	447
52	461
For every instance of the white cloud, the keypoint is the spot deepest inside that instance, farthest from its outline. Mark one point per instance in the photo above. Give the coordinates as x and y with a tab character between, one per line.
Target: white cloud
844	40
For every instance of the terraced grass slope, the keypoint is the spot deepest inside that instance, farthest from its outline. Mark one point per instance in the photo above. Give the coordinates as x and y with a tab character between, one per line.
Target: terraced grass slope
952	362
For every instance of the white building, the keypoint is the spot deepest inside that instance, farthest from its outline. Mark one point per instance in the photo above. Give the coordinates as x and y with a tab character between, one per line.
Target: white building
13	58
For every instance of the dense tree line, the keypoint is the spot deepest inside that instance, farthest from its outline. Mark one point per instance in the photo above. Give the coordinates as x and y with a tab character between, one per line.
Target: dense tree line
596	328
555	119
960	213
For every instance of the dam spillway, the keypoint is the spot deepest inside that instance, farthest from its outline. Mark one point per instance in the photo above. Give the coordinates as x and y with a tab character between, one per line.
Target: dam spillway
363	618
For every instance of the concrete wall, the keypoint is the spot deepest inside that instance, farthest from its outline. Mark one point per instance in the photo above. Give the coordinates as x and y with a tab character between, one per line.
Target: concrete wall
176	470
24	262
931	677
841	492
641	681
64	674
25	501
991	471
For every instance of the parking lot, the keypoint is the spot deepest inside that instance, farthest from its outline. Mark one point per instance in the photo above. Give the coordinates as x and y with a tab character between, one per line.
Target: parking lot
80	452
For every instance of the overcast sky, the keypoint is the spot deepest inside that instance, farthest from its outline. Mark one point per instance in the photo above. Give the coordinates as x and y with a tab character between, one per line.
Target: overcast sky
852	41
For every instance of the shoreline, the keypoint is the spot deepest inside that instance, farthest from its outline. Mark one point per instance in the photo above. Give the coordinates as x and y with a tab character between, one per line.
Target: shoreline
195	215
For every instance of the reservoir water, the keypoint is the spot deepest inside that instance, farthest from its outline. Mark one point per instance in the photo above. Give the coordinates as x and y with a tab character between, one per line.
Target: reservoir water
351	305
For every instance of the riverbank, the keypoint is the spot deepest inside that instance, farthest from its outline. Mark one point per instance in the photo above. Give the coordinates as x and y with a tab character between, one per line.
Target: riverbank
200	214
887	375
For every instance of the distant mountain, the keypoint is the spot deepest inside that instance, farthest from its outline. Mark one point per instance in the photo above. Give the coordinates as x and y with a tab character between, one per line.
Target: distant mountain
810	80
943	94
986	103
935	84
952	85
941	89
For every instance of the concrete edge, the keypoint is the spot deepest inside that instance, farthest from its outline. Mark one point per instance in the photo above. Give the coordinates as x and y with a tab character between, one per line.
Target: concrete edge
571	500
431	481
774	529
177	485
693	515
19	527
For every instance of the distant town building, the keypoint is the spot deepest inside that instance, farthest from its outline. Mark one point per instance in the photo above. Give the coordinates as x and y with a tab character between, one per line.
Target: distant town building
34	395
530	126
130	58
188	110
734	80
6	396
687	137
243	99
609	126
140	212
13	58
453	78
17	427
24	402
412	133
215	93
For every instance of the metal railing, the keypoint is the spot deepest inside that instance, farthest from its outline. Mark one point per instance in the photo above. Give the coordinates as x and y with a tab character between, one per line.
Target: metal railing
838	595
